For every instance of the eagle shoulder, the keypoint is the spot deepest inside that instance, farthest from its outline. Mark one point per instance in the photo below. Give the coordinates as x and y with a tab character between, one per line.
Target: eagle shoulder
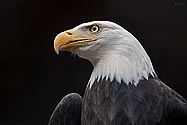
151	102
68	111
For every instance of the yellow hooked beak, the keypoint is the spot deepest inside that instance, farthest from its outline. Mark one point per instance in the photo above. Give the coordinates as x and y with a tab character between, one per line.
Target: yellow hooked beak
68	39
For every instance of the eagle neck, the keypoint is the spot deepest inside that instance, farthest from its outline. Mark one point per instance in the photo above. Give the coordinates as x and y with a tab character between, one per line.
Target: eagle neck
122	66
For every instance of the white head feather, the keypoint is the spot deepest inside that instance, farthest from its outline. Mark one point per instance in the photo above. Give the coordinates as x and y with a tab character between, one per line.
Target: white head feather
116	54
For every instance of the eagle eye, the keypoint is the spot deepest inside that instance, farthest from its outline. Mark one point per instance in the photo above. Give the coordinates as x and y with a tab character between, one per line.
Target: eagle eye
94	29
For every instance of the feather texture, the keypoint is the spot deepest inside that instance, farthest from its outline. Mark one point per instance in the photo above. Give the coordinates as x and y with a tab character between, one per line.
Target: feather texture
68	111
149	103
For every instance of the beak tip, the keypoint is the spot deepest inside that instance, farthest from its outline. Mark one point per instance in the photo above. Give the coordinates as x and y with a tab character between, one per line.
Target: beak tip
56	47
57	51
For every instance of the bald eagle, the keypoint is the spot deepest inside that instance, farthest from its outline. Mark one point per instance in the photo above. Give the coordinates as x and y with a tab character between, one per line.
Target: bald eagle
123	88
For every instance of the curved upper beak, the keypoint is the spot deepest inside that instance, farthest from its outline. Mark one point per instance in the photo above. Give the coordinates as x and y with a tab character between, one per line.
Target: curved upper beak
66	40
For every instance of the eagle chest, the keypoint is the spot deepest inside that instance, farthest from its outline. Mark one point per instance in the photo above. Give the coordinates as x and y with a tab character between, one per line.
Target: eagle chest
111	103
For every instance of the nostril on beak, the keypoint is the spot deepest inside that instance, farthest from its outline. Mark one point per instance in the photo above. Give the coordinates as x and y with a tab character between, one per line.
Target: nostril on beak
69	33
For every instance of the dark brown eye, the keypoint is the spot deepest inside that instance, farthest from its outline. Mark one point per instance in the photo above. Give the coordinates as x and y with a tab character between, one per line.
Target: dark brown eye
94	29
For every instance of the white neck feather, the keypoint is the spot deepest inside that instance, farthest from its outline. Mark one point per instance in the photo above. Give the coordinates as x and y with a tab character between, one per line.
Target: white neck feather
126	61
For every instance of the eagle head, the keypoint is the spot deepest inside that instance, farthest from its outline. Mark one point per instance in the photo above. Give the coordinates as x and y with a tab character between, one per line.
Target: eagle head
114	52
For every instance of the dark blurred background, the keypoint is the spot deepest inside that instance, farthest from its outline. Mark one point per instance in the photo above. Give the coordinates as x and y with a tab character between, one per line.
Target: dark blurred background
34	78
